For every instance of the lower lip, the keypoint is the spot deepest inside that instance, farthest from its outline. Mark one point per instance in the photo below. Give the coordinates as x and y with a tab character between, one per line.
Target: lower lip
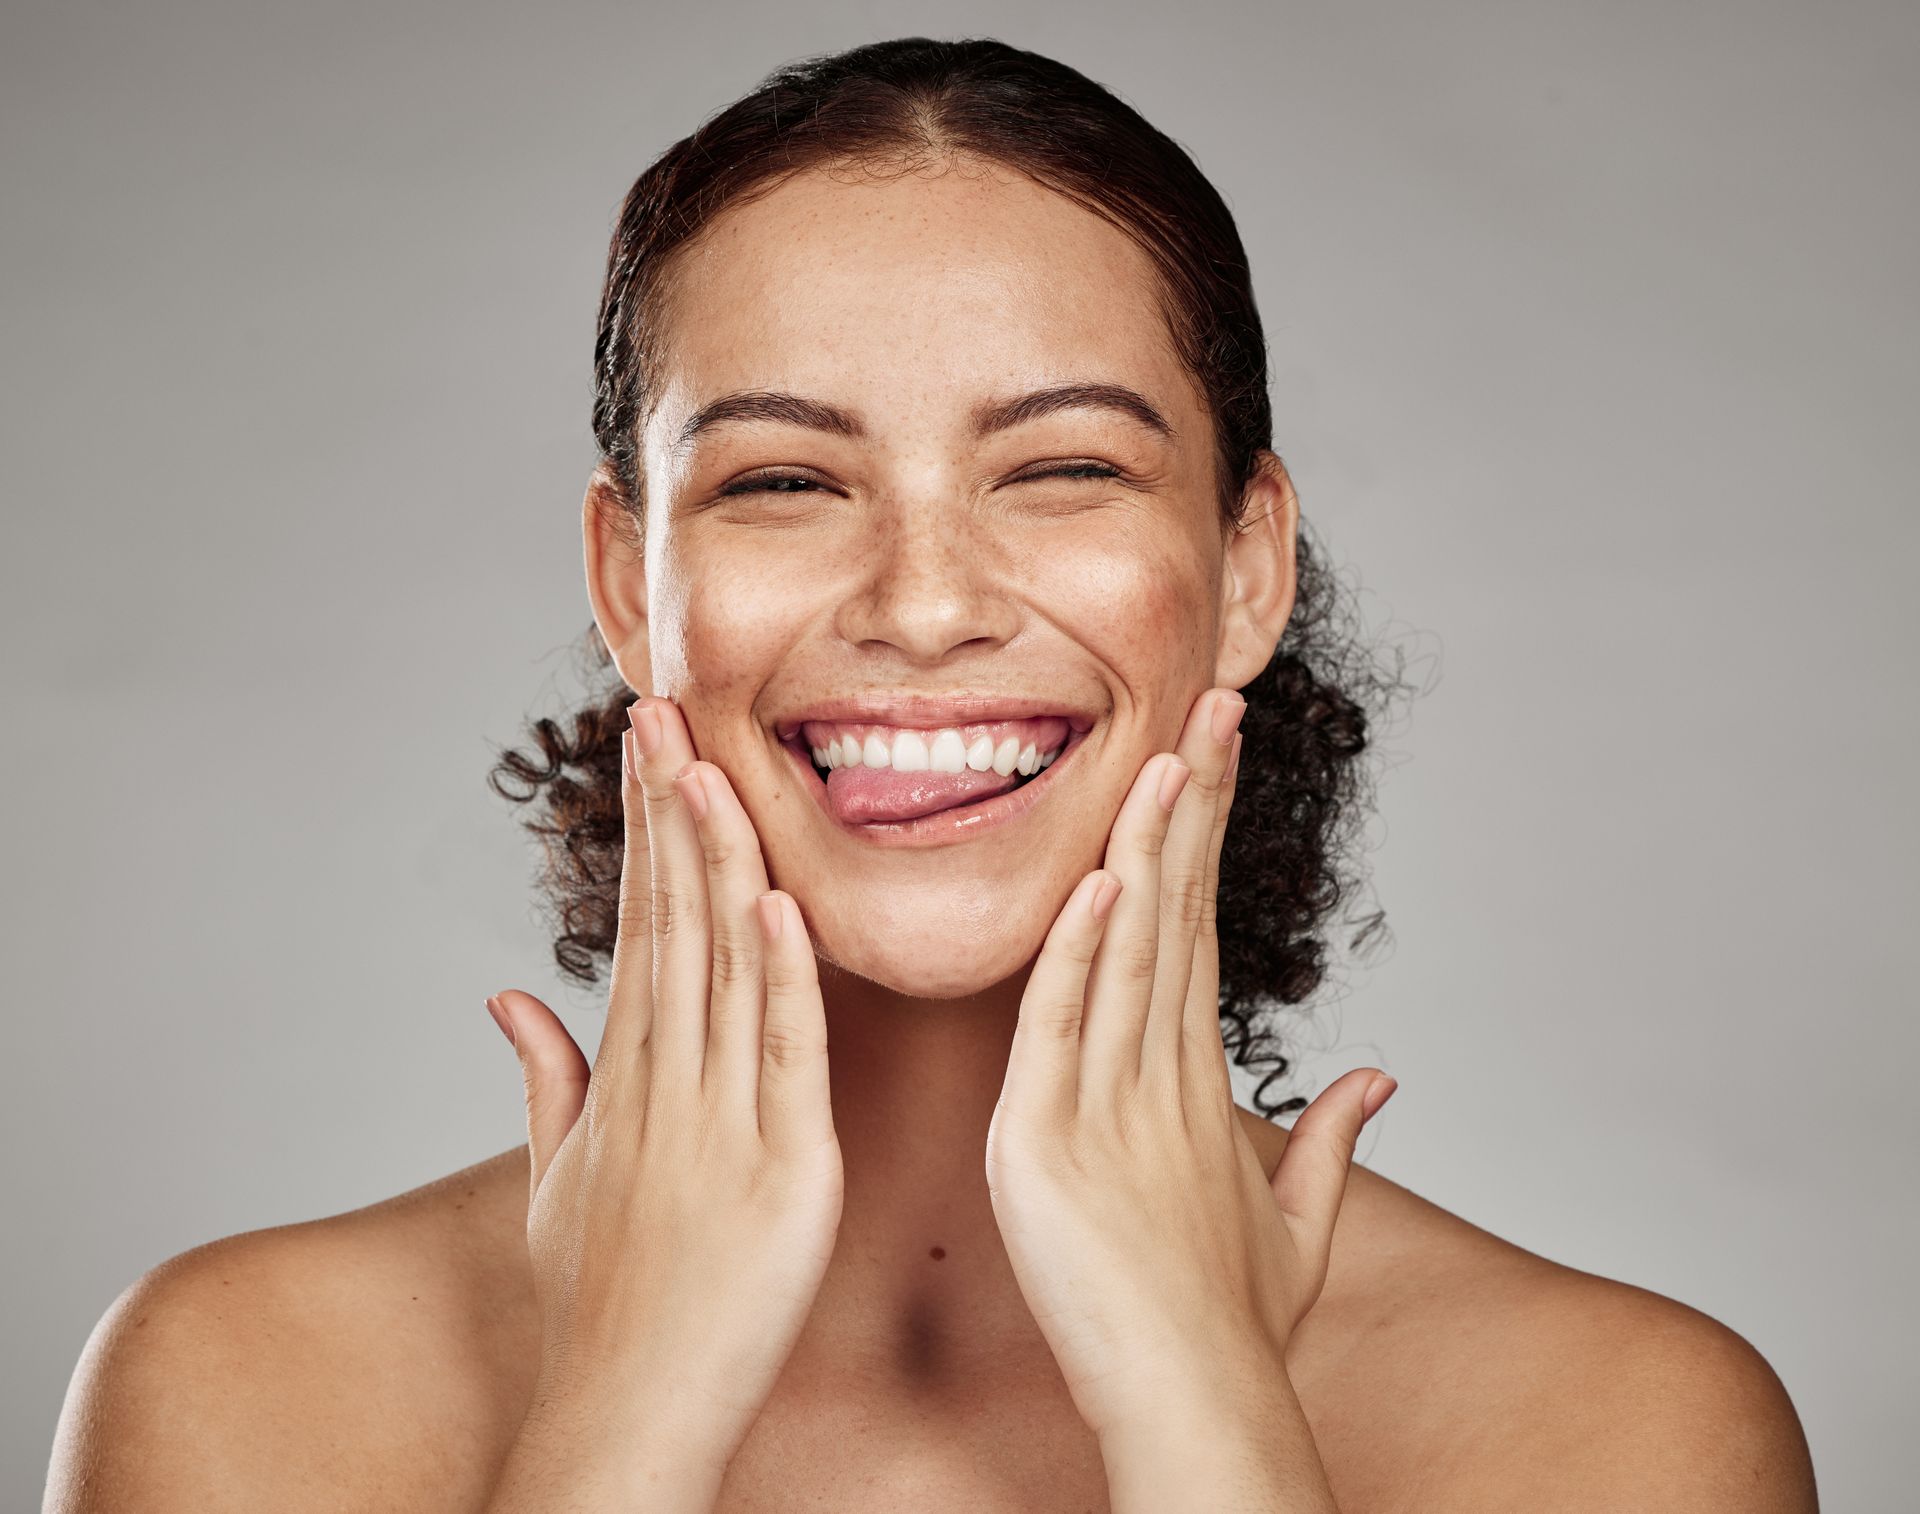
961	823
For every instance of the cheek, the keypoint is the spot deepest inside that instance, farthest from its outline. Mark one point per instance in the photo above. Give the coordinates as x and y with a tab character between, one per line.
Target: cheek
1146	608
719	626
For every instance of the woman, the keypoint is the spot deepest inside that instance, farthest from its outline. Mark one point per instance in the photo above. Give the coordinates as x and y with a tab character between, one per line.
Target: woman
935	531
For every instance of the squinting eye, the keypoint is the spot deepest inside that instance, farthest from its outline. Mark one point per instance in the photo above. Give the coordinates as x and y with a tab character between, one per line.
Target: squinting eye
767	484
1076	470
788	483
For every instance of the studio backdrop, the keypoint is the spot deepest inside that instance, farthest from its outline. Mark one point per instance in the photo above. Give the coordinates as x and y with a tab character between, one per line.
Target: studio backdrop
1593	359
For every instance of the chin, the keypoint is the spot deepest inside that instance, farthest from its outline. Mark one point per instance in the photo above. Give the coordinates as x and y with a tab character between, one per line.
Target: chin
930	953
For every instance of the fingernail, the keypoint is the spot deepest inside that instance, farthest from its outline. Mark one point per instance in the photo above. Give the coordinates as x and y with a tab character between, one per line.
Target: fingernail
647	729
500	1019
769	915
1233	762
1378	1092
1104	895
1172	781
1226	718
693	789
628	761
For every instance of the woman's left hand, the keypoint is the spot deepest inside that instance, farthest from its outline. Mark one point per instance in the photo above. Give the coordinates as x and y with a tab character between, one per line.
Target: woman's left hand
1164	1270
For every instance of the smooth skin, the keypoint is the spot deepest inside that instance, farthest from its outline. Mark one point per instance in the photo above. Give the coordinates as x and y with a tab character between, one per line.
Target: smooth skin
1165	1269
965	1291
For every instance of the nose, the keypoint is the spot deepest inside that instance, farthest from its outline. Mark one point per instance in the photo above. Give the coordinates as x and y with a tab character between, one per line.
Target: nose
932	581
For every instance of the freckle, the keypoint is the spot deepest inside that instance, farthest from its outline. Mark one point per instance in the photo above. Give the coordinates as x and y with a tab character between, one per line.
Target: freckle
939	1253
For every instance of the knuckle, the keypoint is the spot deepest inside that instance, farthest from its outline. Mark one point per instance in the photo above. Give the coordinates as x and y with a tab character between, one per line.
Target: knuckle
1186	890
1150	841
1060	1019
672	911
786	1048
658	795
634	914
720	850
1138	956
735	963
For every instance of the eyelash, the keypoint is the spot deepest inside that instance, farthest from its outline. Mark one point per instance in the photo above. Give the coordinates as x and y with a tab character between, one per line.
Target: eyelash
760	484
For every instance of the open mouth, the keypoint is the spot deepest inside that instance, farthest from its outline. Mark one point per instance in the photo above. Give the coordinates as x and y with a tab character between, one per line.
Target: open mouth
914	803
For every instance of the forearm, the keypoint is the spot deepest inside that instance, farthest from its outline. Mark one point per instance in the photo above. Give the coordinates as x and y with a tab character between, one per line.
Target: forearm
1255	1458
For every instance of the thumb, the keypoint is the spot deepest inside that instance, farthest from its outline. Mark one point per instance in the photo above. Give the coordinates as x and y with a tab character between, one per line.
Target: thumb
554	1071
1311	1179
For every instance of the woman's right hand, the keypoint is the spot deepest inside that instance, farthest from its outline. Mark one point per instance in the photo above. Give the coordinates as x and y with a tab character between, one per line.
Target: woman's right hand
686	1195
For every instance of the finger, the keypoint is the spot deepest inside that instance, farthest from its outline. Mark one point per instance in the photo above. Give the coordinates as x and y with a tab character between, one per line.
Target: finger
1206	745
620	1061
682	938
551	1068
1120	985
1043	1068
1203	1057
796	1109
1311	1180
736	876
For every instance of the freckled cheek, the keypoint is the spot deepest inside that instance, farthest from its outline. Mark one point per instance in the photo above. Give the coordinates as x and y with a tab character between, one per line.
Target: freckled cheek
1150	617
732	627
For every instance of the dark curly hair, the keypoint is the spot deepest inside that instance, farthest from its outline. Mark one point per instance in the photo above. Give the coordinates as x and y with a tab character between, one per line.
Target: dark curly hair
1302	789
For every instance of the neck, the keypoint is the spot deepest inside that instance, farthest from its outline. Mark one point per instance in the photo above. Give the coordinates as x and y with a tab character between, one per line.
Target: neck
919	1285
919	1292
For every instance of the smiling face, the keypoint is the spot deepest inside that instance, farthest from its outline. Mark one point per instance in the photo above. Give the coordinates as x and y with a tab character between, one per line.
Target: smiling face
898	530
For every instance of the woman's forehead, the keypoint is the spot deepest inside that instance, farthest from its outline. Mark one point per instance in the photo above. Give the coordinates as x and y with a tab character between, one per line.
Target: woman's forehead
956	278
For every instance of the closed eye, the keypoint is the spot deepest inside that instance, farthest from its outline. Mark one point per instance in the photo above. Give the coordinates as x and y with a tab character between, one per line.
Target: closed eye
793	483
1074	470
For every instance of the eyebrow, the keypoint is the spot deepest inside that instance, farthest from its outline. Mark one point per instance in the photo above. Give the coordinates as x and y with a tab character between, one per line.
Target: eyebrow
988	417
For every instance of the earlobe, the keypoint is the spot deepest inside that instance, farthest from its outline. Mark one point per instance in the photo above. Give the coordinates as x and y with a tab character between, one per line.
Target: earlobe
1258	577
615	551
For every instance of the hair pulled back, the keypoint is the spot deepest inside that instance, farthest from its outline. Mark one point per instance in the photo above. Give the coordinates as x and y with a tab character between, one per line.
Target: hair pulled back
892	107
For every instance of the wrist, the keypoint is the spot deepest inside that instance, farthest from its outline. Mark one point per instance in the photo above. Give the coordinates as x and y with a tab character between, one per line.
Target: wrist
593	1450
1213	1391
1250	1454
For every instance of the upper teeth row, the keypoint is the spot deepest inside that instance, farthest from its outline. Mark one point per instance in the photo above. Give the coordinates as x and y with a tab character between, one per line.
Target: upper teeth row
911	752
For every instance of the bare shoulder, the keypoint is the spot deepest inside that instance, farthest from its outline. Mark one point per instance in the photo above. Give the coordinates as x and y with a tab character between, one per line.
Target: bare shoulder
244	1371
1459	1371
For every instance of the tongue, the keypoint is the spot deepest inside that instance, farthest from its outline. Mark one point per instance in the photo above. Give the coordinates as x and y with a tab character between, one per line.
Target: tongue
866	796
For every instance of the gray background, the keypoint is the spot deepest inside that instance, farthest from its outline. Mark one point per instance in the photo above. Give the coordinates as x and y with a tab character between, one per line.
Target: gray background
1591	325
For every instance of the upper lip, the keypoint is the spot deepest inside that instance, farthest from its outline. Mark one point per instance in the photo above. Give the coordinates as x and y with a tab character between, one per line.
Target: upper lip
927	712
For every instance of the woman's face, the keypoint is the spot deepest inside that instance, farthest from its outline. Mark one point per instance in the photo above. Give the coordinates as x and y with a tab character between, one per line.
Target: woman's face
1062	567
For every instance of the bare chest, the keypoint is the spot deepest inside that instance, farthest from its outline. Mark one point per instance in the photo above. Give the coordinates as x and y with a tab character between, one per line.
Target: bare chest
1004	1455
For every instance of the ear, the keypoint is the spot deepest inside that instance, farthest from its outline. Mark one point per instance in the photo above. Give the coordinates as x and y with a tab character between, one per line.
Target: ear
617	575
1257	579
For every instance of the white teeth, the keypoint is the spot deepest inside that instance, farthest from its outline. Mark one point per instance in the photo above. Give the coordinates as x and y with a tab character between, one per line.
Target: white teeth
942	751
910	752
949	753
